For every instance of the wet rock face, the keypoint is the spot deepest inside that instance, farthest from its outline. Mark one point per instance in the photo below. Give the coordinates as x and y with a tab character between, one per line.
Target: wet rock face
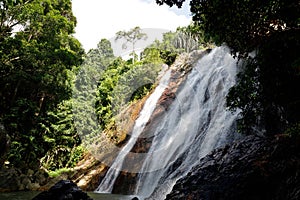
252	169
63	190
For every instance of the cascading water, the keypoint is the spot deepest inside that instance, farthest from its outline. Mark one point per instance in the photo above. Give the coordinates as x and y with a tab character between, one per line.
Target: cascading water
107	183
194	124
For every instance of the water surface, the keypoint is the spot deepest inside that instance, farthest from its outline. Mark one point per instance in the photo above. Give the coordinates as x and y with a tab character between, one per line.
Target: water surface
30	195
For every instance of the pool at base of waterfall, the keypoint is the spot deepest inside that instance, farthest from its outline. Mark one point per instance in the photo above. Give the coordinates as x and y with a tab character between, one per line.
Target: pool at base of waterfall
29	195
102	196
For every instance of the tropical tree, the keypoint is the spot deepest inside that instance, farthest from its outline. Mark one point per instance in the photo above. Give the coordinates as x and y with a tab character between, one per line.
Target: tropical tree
102	56
37	57
132	36
184	39
85	94
190	38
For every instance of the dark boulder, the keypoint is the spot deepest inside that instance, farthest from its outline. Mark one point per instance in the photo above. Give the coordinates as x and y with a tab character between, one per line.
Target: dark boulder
63	190
253	169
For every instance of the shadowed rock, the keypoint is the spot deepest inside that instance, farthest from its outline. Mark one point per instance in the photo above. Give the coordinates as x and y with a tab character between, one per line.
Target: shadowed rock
253	169
63	190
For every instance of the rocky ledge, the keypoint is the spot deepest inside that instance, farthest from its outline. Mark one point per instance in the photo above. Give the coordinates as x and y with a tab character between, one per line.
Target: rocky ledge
255	168
13	179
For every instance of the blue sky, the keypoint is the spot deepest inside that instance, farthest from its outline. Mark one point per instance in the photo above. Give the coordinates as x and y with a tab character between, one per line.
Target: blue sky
97	19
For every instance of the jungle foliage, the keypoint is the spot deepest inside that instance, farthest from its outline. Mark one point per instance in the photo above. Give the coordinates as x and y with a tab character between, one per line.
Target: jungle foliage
49	87
38	56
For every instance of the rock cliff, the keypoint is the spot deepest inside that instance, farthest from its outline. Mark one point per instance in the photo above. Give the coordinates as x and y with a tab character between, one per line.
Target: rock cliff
254	168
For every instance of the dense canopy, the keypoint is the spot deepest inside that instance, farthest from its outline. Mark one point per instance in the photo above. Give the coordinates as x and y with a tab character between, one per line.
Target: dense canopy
37	59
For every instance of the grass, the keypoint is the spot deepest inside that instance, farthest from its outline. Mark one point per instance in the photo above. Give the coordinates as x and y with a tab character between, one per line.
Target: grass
58	172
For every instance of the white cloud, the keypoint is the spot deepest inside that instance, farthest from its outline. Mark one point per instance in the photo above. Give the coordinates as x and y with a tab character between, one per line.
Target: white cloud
97	19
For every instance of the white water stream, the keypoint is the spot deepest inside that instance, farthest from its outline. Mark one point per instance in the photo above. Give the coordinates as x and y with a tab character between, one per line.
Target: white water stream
107	183
196	123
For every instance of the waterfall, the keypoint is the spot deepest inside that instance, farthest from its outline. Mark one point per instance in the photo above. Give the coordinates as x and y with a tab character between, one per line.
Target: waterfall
107	183
194	124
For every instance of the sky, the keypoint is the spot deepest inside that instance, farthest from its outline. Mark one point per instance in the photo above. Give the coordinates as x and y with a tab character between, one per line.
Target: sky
97	19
